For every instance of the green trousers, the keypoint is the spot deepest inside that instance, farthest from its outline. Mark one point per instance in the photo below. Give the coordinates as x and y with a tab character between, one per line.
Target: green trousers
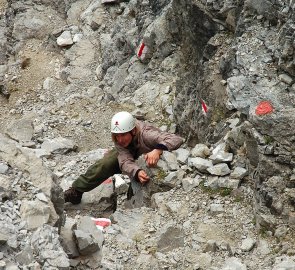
98	172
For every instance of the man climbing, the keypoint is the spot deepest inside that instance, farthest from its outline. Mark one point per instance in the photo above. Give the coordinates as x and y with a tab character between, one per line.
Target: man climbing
132	138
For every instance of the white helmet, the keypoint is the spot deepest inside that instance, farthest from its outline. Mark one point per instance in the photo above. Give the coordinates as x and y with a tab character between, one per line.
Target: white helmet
122	122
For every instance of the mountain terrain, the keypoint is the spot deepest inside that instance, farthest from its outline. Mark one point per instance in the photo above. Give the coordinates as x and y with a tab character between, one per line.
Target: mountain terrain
218	73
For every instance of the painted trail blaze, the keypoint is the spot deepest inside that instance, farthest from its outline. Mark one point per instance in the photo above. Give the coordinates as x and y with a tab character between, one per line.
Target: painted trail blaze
204	107
101	223
141	49
264	107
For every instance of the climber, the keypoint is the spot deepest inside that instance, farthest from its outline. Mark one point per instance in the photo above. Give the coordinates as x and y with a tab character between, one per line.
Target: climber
132	138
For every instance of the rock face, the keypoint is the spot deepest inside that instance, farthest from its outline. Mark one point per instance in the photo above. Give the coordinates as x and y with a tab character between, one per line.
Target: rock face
220	73
253	62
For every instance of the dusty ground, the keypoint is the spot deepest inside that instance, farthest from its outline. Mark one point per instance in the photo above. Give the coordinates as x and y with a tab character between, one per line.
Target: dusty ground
82	120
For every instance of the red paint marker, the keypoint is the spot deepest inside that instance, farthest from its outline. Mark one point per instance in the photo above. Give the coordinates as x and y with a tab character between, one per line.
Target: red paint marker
141	48
101	223
204	107
264	107
108	181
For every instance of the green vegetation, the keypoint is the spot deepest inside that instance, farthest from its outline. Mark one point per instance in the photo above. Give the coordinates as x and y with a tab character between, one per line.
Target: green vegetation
263	232
262	229
161	174
223	191
238	198
137	238
268	139
218	115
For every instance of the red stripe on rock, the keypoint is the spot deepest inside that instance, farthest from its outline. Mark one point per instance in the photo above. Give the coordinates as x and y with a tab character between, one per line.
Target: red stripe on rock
141	49
204	107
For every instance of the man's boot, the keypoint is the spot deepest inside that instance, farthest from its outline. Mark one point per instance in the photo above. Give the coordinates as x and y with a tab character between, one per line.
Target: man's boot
73	196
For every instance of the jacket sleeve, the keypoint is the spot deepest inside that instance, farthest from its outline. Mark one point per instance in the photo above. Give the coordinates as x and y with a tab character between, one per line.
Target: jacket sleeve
127	163
153	137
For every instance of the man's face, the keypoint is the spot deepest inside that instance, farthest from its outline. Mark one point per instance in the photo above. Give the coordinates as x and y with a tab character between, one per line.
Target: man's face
123	139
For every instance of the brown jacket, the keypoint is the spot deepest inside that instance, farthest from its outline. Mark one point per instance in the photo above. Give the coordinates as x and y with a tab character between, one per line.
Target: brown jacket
147	139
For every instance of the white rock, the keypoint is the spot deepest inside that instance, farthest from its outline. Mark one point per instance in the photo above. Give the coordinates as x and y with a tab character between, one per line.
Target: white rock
48	83
220	169
248	244
286	79
221	156
77	37
201	164
42	197
65	39
233	264
216	208
182	155
200	150
189	183
238	173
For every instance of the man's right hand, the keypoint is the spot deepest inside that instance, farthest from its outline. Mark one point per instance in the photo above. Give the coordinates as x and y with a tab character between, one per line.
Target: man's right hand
143	177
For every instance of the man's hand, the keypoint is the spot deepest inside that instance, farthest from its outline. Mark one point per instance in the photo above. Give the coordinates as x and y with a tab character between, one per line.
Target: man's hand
143	177
153	157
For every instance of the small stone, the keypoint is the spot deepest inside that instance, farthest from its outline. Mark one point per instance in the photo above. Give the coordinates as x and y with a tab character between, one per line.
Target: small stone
65	39
248	244
223	82
286	79
42	197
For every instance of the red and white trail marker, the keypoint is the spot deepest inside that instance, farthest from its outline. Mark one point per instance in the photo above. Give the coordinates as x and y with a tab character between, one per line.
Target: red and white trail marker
143	52
101	223
204	107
